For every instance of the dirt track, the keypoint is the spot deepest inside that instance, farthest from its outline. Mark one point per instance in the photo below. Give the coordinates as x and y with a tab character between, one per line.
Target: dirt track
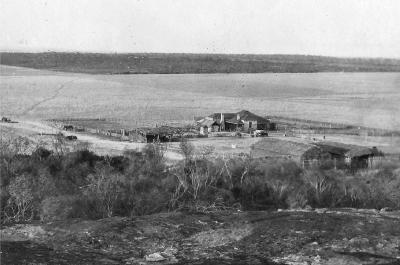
103	146
56	93
97	144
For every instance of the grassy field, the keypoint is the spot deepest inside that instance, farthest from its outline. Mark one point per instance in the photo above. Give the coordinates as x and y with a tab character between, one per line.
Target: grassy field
366	99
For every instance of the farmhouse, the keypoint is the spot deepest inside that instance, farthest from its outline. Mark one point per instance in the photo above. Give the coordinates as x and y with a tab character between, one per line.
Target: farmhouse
243	121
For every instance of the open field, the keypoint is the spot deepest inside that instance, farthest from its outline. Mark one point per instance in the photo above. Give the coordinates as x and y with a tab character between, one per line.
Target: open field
320	236
366	99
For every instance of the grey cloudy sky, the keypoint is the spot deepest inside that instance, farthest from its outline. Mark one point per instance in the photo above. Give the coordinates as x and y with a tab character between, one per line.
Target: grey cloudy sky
358	28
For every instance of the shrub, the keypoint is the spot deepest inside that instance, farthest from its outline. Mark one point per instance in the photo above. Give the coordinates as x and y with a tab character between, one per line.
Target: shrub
20	205
153	201
104	191
61	185
382	187
187	149
322	189
41	153
63	207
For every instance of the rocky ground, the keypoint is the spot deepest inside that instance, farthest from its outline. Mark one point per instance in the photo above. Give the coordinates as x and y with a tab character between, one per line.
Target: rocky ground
321	236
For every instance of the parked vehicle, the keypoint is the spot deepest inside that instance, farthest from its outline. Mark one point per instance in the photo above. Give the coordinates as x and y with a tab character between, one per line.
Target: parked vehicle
260	133
5	119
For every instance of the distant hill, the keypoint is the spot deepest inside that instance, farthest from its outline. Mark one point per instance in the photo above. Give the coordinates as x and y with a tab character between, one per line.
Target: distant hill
158	63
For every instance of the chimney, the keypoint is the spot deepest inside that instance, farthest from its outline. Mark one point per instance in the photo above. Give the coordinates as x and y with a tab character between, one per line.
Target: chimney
238	116
222	122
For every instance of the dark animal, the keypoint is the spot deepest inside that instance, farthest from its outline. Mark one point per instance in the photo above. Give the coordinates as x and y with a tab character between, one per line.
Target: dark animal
68	127
71	137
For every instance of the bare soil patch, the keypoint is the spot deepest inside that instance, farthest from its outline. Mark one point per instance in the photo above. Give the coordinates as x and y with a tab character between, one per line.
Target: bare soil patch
342	236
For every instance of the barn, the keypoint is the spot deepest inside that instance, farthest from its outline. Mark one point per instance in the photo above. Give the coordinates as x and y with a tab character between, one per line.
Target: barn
323	154
159	134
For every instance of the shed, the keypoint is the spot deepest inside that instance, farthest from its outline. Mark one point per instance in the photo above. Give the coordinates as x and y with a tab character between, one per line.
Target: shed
341	155
324	154
359	157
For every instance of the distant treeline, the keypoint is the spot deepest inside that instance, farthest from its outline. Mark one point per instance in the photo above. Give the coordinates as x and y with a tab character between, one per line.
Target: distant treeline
160	63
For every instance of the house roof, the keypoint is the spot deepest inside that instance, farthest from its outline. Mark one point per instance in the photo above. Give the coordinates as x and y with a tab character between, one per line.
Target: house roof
272	147
249	116
348	150
208	123
234	121
359	152
217	116
244	115
334	148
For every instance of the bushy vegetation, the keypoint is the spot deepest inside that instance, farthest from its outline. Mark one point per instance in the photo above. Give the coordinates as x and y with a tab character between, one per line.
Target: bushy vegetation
54	185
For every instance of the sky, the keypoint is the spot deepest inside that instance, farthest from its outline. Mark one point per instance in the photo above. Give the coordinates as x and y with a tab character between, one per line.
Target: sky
344	28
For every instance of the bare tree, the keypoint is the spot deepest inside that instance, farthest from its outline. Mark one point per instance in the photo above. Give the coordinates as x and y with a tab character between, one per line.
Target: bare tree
105	188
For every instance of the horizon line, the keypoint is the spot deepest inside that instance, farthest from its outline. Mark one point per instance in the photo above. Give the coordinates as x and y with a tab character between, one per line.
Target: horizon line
196	53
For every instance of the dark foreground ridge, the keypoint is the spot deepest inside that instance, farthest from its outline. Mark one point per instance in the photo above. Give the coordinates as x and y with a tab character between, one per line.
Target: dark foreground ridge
321	236
162	63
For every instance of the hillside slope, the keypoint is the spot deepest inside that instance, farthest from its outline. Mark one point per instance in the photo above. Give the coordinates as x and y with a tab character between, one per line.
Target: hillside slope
135	63
329	237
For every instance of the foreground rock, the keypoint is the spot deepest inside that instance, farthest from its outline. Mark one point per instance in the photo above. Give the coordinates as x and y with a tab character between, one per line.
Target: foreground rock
344	236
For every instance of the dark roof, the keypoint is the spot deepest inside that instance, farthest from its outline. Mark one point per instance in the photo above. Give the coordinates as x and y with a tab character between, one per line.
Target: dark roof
217	116
244	115
273	147
249	116
348	150
333	148
360	152
234	120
